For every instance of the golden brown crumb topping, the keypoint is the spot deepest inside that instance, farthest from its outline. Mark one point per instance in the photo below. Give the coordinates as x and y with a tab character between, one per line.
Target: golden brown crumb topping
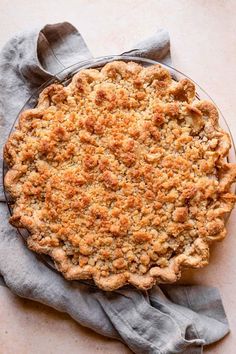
121	175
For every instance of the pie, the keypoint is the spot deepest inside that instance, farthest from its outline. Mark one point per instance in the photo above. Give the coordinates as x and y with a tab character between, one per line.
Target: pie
121	176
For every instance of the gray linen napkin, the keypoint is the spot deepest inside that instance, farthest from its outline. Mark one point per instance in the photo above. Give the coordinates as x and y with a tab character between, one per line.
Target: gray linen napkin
167	319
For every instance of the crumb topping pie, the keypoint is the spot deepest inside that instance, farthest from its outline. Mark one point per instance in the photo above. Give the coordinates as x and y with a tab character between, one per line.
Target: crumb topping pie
121	176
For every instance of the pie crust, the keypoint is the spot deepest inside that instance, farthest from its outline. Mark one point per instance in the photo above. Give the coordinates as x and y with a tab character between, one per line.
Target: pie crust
121	176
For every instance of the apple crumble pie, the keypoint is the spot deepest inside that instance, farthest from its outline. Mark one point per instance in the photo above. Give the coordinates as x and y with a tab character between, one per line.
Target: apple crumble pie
121	176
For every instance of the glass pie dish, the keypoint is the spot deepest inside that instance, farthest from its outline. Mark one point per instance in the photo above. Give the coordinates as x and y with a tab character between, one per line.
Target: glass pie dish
64	77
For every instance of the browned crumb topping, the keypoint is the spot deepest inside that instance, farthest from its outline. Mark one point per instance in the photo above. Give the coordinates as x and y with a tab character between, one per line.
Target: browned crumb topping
120	171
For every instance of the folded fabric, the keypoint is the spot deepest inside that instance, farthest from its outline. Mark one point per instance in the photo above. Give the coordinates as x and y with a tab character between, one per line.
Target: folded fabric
167	319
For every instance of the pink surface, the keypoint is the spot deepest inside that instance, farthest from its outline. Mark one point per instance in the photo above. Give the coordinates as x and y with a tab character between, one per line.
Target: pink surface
203	47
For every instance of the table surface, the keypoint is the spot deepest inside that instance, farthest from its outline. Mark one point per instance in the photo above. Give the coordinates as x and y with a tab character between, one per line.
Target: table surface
203	47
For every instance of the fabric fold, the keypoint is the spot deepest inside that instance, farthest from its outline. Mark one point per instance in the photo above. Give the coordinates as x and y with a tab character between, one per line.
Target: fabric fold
165	320
155	47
